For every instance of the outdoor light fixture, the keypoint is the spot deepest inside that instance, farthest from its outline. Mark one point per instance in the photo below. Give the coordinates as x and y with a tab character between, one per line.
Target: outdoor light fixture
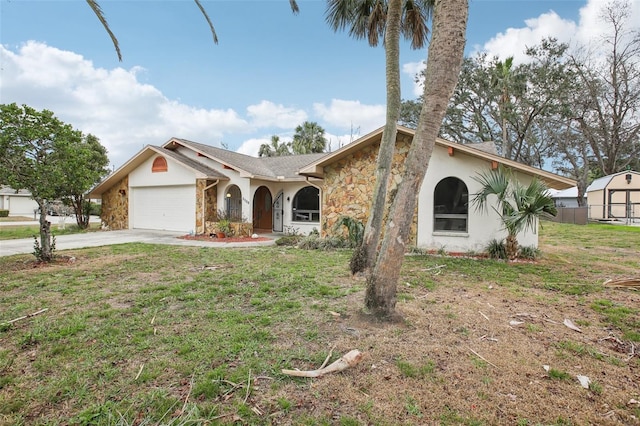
628	177
228	195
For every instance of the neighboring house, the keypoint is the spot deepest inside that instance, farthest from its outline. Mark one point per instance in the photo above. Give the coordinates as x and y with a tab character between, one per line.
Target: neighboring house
182	184
19	203
565	197
615	197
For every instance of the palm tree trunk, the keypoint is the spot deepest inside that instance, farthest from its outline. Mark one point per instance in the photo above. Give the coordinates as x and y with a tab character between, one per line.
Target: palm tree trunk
511	246
365	255
443	66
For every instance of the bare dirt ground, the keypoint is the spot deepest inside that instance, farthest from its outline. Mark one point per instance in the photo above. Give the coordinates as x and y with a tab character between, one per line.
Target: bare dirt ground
479	352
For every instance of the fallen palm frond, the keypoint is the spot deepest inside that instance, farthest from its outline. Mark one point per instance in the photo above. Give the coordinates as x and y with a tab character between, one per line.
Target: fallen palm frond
625	282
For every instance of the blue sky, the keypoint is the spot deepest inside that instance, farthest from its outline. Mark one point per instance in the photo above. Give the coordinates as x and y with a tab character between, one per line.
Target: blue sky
271	70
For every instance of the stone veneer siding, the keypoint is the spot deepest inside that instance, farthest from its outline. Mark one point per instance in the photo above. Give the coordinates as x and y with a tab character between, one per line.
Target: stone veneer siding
210	206
115	206
348	185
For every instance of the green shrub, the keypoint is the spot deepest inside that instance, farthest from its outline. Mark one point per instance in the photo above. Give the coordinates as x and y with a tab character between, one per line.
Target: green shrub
289	240
4	213
95	209
315	242
355	229
528	252
496	249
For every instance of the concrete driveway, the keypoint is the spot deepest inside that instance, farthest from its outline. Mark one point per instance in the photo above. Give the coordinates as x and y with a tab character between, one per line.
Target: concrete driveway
104	238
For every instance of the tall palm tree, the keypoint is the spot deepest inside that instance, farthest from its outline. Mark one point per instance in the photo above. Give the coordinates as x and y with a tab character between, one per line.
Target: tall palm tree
275	149
443	66
519	206
372	19
309	138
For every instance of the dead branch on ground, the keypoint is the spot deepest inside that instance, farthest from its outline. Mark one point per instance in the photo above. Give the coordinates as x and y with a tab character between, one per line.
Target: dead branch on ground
349	359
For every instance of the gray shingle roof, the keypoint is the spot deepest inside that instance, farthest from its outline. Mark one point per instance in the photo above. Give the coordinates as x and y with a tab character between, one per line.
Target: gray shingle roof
272	167
196	165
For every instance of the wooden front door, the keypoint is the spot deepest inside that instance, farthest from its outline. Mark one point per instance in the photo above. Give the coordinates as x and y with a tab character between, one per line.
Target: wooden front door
262	218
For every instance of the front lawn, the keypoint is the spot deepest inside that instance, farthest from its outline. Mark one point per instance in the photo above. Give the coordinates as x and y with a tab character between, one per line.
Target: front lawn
11	232
153	334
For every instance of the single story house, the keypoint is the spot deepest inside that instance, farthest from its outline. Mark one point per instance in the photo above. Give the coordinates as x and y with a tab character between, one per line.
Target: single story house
19	203
615	197
182	184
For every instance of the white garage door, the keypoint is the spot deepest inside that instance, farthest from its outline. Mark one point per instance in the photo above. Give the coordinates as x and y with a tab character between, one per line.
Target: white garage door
170	208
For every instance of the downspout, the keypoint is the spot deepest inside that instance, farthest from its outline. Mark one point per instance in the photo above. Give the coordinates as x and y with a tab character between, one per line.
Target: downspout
204	191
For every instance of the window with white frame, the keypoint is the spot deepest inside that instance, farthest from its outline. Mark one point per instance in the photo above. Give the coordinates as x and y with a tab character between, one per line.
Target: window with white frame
306	205
451	206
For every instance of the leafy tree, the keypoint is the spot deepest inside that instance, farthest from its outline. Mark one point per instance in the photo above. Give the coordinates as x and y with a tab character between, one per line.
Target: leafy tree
83	164
33	149
443	65
608	114
309	138
519	207
409	113
497	101
275	149
373	19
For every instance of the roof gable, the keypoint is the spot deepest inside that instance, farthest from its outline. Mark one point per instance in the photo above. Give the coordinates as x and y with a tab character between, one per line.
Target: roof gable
552	180
271	168
603	182
143	155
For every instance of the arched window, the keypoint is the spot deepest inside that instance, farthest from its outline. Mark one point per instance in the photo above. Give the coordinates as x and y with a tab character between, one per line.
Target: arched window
306	205
450	205
233	203
159	165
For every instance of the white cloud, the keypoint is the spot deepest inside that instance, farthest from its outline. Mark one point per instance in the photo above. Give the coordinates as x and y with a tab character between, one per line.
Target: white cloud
252	146
268	114
514	41
587	32
124	113
413	69
351	115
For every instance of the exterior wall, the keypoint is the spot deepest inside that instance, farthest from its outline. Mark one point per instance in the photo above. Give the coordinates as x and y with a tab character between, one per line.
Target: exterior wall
482	226
348	185
348	189
175	175
289	190
115	206
596	203
206	207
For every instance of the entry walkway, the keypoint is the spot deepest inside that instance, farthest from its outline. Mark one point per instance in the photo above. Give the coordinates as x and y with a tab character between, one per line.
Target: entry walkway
105	238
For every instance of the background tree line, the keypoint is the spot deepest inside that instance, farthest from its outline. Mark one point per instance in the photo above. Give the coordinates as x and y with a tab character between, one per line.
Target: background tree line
568	107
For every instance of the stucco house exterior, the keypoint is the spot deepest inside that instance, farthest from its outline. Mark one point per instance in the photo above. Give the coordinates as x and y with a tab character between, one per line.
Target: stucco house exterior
615	197
182	184
19	203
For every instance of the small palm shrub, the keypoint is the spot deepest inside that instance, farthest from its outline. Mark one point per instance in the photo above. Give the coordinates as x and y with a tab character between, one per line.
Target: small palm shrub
528	252
497	250
355	229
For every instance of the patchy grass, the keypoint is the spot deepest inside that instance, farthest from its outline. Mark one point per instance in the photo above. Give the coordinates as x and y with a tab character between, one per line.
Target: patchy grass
145	334
11	232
